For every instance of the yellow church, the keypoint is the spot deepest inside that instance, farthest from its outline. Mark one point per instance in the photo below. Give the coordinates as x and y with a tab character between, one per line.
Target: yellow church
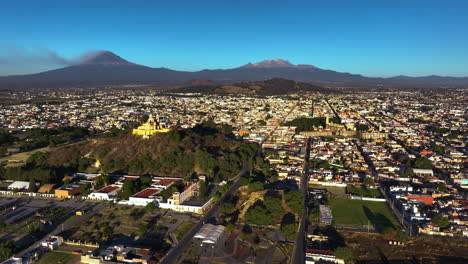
149	128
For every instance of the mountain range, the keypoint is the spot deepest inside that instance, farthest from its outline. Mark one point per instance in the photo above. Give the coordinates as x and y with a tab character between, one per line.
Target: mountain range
106	68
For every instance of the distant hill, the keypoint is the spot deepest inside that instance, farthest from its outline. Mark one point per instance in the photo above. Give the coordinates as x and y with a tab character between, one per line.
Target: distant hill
275	86
106	68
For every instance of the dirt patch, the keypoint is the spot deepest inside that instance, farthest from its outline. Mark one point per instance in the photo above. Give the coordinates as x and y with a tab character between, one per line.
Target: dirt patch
374	248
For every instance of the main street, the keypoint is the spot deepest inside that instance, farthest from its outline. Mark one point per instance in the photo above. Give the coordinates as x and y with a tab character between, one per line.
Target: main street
176	251
300	243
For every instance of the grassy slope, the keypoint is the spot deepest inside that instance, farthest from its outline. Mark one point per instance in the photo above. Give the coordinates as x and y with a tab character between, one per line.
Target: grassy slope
130	147
21	157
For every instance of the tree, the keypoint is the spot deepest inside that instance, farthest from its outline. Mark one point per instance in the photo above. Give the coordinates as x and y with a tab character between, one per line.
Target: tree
362	127
142	229
108	231
150	207
295	201
3	151
103	152
440	221
244	181
7	249
441	187
368	182
32	186
323	165
127	189
203	191
423	163
255	186
408	172
257	214
261	122
272	201
38	158
344	253
227	208
288	225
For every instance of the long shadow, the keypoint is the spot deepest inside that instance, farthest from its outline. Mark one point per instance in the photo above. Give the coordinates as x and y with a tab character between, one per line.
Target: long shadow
335	239
378	220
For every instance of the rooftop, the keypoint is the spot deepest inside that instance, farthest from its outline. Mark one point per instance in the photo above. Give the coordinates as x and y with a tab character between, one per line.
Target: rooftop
147	193
108	189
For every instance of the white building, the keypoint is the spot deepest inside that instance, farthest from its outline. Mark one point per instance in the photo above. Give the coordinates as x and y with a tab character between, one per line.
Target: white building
211	235
106	193
19	185
52	242
145	197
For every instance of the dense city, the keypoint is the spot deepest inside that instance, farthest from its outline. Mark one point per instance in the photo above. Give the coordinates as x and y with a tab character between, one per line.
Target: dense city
320	176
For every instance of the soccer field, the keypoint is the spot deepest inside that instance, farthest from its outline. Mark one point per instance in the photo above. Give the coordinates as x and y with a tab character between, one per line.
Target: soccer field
59	257
359	213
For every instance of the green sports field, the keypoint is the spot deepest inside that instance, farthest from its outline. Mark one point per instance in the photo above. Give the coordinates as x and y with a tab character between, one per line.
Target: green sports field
59	257
359	213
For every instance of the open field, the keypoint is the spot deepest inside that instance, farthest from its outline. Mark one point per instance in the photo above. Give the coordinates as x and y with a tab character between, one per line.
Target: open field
110	222
59	257
19	159
374	249
182	229
360	213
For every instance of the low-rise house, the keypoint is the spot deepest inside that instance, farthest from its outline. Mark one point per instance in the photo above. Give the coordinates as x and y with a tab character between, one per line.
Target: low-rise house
46	188
106	193
19	185
52	242
145	197
69	190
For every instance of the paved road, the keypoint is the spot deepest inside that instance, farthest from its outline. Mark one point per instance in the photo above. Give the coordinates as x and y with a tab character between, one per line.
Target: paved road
176	251
300	243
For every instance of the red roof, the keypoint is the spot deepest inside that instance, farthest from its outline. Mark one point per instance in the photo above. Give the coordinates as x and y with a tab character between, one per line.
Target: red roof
147	192
165	182
319	251
108	189
188	186
131	178
420	198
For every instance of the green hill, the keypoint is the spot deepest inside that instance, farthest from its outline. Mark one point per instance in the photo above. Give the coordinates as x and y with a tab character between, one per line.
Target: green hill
203	150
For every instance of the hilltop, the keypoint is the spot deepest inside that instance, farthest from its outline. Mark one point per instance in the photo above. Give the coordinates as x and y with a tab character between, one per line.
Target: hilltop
206	149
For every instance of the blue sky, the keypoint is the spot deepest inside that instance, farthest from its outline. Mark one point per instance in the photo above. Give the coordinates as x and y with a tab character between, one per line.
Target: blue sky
373	38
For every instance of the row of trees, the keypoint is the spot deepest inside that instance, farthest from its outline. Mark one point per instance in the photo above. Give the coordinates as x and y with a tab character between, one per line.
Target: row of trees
42	137
363	191
43	175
